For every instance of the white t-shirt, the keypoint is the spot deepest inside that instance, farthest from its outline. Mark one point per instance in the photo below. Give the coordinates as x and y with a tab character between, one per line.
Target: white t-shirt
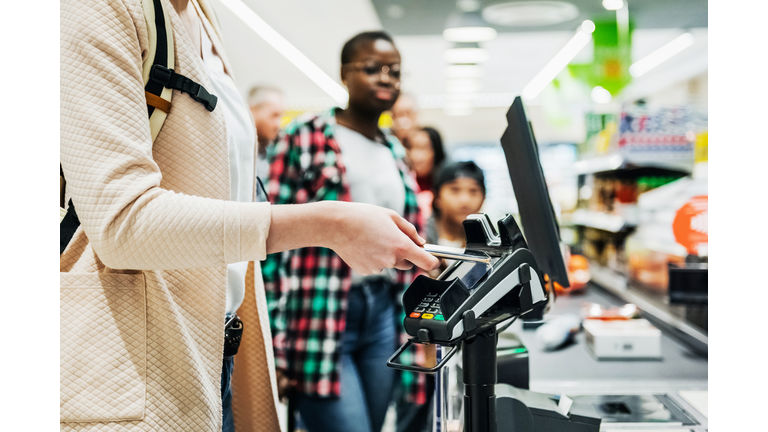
372	175
371	169
241	141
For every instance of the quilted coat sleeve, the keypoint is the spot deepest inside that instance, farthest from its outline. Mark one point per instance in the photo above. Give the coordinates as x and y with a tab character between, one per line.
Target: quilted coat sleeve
106	156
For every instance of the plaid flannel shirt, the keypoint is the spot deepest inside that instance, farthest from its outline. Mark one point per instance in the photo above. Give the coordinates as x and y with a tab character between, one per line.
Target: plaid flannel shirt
307	288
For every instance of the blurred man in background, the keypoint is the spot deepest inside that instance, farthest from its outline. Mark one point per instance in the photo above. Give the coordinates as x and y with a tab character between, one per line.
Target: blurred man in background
333	348
267	107
404	116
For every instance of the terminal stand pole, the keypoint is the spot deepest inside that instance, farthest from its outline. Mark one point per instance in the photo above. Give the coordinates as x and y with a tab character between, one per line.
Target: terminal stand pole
480	377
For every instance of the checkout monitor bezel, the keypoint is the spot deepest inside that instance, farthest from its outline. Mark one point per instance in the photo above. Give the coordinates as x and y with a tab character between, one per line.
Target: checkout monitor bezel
536	213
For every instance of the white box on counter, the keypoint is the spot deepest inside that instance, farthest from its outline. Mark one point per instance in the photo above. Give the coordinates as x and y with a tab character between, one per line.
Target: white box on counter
623	339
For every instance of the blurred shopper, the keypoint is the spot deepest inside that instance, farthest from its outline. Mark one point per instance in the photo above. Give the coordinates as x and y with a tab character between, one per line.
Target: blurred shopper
459	192
161	221
267	106
405	115
334	328
425	153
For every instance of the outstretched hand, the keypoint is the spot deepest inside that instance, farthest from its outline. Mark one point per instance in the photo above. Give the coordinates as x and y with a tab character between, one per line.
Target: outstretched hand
372	238
367	237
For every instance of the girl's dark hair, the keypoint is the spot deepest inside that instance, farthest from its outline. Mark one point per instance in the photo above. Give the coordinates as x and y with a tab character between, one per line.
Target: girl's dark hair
451	171
437	146
351	46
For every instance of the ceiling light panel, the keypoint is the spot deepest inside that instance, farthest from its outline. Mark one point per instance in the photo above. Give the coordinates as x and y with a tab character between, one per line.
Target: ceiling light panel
600	95
558	62
466	55
613	4
462	85
530	13
469	34
463	71
661	55
290	52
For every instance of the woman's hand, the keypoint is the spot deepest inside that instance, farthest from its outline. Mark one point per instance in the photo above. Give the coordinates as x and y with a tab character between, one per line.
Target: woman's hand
367	237
371	238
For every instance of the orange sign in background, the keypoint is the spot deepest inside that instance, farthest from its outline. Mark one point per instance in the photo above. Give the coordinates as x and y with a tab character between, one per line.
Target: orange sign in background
690	225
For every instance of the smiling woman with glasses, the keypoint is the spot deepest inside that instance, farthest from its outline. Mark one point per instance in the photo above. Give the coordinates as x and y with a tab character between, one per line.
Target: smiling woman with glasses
371	69
331	352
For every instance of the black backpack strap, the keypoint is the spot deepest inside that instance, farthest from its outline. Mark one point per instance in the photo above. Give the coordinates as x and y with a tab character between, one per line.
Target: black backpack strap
161	52
69	224
67	227
165	77
161	76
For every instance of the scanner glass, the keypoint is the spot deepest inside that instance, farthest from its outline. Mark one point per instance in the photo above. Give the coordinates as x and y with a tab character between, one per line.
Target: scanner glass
470	273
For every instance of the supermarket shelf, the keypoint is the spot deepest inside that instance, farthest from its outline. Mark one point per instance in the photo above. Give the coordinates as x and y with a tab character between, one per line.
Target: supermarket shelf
618	162
616	284
602	221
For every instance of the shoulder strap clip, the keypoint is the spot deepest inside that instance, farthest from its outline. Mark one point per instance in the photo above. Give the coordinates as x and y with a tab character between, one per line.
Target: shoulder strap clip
170	79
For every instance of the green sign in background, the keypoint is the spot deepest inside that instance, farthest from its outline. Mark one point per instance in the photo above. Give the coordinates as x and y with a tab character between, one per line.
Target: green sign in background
612	56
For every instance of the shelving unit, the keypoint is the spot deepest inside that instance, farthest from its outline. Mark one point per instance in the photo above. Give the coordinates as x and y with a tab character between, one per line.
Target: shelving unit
654	309
601	221
624	156
604	164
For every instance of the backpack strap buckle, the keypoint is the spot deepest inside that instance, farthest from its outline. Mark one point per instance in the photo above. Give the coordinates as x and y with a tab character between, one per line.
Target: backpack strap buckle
200	94
170	79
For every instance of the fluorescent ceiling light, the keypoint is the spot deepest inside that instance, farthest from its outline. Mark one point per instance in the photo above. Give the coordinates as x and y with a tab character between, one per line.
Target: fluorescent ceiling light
466	55
600	95
462	85
468	5
613	4
467	27
395	11
290	52
469	34
560	61
530	13
463	71
661	55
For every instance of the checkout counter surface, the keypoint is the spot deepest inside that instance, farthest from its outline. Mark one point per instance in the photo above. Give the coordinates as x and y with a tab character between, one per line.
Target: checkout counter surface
681	374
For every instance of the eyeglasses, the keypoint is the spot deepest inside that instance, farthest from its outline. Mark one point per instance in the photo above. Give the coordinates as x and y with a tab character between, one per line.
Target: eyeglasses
371	69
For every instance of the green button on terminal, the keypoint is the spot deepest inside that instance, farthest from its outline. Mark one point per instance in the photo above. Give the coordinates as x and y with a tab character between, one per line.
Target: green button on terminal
439	318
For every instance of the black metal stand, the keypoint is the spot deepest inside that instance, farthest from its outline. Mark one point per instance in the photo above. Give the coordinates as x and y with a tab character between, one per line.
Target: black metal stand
480	377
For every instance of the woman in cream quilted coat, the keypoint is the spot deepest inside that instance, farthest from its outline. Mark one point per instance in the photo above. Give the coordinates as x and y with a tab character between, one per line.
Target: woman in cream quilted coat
143	280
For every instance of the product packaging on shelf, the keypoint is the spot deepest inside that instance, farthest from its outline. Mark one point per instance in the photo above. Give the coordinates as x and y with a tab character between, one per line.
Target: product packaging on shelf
673	225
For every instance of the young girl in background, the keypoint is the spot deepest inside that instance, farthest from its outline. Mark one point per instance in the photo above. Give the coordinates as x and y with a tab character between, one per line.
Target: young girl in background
459	191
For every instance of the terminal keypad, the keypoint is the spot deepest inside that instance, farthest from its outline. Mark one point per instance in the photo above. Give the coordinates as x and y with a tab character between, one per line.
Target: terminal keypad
428	308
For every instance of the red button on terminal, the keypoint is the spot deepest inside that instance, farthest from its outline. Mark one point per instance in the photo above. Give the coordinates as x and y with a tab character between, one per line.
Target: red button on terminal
415	315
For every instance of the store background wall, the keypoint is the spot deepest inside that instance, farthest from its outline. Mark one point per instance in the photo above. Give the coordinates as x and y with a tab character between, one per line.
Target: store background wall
559	114
319	29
